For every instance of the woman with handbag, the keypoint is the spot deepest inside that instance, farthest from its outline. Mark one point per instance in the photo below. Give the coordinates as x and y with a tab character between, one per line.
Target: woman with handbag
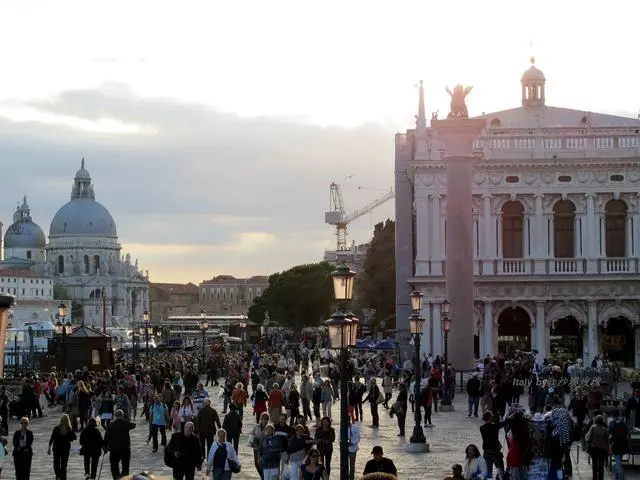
399	408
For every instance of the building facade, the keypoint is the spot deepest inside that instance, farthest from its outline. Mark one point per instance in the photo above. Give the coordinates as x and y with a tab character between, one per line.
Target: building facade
227	294
556	230
167	299
85	258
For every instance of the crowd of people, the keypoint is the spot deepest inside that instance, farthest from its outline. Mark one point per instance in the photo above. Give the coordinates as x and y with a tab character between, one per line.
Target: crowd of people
284	399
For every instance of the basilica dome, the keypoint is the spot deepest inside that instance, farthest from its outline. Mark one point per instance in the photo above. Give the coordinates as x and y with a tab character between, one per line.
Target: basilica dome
24	233
82	215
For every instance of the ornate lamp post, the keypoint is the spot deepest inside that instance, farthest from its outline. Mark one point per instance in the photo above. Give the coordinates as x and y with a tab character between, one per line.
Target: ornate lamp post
146	316
418	442
446	326
63	328
243	327
203	328
343	332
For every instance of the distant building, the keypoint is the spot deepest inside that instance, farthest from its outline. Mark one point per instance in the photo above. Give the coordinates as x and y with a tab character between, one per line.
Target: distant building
354	256
227	294
167	299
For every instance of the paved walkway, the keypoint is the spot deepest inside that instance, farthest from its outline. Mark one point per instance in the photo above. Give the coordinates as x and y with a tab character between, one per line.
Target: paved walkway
451	433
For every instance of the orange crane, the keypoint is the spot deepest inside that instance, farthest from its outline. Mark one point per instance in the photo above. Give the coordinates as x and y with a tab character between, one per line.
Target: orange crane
338	217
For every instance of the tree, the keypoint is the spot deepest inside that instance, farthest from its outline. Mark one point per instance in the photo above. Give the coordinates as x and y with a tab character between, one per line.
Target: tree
60	293
296	298
376	284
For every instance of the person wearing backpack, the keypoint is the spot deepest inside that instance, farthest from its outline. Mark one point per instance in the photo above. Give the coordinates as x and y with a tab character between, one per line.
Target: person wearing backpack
619	442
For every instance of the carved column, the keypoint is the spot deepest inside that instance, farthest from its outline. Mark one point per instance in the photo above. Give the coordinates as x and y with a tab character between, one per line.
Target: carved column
629	236
458	136
488	234
540	242
437	247
487	329
422	232
541	333
438	338
635	214
425	340
592	318
591	235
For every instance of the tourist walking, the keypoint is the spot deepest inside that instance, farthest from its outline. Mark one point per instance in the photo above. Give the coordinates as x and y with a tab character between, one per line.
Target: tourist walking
269	453
184	447
207	422
117	440
158	414
233	425
22	450
91	448
220	456
60	442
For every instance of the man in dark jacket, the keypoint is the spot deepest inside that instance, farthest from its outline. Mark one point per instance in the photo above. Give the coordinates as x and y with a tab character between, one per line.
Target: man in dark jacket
473	390
118	442
207	421
184	448
380	463
233	425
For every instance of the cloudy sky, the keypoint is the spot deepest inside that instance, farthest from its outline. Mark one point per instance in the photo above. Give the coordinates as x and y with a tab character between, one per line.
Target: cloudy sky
212	129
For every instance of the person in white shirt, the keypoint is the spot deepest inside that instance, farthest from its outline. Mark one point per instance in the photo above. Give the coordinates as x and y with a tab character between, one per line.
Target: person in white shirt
354	444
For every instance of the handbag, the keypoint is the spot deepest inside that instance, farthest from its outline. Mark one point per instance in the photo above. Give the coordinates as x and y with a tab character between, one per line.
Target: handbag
233	466
380	398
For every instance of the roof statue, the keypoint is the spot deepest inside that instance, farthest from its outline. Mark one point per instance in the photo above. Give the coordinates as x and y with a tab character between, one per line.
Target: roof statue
458	107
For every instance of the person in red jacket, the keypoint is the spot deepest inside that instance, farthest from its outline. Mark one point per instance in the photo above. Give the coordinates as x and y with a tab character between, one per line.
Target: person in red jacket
276	402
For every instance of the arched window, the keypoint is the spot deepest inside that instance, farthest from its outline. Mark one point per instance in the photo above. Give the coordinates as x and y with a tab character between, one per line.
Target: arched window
87	264
60	264
615	228
512	230
96	263
564	217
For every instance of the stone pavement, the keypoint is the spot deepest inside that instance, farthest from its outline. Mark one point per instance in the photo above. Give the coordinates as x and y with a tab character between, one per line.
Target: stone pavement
451	433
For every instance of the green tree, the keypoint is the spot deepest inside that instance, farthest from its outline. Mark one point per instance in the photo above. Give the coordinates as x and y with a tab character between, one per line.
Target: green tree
296	298
376	284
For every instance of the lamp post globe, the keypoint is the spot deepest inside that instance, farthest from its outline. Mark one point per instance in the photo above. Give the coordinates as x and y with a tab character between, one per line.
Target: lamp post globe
343	279
416	300
62	310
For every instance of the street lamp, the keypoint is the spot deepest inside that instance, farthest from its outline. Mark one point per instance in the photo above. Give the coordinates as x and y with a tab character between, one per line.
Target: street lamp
146	316
203	328
243	326
416	326
63	328
446	326
343	332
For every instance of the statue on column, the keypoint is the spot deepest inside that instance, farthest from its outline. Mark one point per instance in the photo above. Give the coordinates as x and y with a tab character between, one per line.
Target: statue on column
458	108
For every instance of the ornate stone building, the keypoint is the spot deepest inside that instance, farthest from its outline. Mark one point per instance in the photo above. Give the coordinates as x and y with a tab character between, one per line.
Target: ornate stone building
556	230
85	257
226	294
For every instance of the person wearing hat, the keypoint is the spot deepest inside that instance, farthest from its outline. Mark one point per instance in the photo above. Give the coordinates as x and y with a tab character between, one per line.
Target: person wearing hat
379	463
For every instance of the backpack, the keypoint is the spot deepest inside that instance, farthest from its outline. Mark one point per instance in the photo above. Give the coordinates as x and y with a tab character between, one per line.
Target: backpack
317	395
619	437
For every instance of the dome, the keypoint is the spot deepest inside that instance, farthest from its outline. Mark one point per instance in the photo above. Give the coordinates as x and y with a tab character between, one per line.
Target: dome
534	74
24	235
83	216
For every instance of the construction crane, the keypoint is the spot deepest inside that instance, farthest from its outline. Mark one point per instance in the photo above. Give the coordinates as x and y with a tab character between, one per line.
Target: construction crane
338	217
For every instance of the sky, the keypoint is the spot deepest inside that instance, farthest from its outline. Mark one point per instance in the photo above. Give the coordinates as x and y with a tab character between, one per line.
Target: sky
212	129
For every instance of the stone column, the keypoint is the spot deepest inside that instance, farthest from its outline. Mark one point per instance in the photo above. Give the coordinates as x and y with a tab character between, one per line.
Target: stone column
422	232
592	235
540	242
541	331
489	241
488	329
592	317
458	136
436	329
437	248
425	340
6	301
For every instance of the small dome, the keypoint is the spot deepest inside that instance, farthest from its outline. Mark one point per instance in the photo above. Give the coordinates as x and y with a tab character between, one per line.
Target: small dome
82	173
533	74
24	235
83	216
